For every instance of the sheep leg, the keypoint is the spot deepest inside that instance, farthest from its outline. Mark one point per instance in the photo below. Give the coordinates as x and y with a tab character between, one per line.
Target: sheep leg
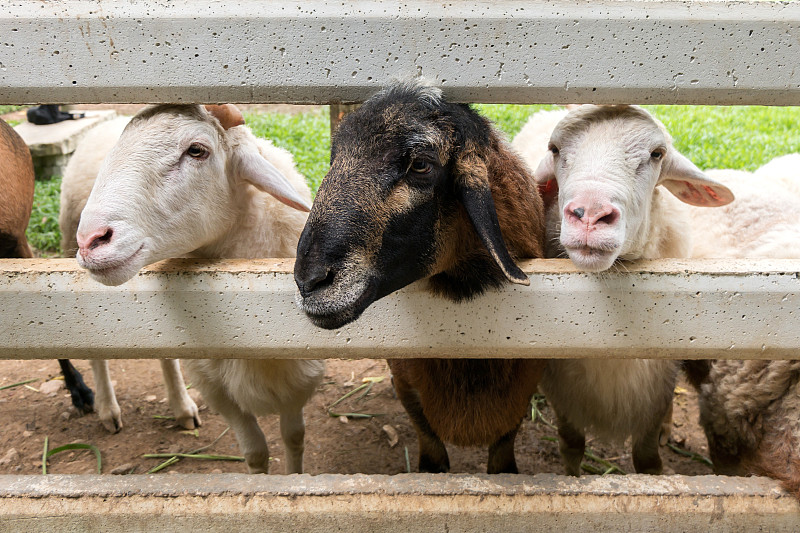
646	459
433	456
501	455
293	432
571	445
82	396
184	409
105	400
252	442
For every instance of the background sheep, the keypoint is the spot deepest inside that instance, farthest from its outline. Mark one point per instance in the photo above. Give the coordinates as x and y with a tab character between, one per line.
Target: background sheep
193	181
419	187
76	186
750	410
603	177
17	183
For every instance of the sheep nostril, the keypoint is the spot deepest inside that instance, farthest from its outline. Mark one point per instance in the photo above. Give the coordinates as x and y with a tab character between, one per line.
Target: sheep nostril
579	212
610	218
102	239
317	279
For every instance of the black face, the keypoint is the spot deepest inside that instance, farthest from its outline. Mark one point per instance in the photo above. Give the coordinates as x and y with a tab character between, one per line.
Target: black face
375	223
373	226
407	168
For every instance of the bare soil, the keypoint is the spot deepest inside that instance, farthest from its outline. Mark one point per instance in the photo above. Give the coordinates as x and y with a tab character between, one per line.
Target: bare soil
333	445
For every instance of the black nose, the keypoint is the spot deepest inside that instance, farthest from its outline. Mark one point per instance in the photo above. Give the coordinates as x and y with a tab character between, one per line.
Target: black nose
311	270
579	212
313	277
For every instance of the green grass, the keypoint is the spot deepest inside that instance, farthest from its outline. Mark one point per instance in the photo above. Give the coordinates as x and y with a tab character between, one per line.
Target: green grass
306	135
509	118
711	136
43	233
10	108
738	137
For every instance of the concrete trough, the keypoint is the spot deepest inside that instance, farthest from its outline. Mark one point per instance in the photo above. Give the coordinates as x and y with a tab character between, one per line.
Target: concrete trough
406	502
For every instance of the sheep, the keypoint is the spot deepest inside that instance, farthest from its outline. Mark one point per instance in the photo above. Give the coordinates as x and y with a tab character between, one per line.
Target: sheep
423	188
17	183
605	179
76	185
749	409
186	180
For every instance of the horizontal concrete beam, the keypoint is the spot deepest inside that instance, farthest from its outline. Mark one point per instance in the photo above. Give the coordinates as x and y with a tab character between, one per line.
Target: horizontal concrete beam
246	309
407	502
313	51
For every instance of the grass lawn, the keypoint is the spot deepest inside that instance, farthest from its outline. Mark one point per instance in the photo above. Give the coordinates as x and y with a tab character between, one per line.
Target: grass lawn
711	136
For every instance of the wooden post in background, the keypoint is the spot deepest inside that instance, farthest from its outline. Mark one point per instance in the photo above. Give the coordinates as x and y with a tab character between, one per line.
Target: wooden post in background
338	112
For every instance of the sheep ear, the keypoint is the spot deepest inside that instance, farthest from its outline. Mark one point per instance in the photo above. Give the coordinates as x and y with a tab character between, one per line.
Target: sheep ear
690	185
472	188
227	114
263	175
545	178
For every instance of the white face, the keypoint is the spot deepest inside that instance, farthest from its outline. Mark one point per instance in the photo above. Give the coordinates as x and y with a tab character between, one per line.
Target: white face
606	176
607	162
161	192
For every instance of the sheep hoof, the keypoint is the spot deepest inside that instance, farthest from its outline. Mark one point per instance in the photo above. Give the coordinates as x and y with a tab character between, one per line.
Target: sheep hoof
111	419
112	424
189	420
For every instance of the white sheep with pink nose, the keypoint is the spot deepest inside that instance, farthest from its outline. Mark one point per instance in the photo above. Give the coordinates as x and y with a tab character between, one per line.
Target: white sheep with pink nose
188	180
613	186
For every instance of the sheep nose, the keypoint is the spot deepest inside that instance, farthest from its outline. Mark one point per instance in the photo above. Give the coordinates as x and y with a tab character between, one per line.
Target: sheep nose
312	278
96	239
594	215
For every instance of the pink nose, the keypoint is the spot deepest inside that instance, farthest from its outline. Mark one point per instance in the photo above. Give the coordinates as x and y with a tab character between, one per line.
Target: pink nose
596	214
101	237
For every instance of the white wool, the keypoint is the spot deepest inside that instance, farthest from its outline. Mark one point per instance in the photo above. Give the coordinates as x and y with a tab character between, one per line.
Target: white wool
532	140
761	223
750	409
80	174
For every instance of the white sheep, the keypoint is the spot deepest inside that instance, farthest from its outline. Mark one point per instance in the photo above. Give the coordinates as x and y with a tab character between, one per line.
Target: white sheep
76	186
186	180
605	181
750	410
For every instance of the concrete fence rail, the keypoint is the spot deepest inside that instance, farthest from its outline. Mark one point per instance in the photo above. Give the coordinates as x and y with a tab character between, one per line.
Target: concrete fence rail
245	308
557	51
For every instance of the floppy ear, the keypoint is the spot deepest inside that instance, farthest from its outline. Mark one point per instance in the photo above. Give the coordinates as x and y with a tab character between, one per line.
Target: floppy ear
689	184
227	114
472	188
254	169
545	178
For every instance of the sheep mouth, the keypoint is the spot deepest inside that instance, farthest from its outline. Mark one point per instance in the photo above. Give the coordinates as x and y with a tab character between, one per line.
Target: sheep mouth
330	311
107	270
593	258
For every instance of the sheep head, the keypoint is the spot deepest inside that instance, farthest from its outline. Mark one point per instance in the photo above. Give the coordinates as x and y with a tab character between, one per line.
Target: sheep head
171	184
408	195
605	163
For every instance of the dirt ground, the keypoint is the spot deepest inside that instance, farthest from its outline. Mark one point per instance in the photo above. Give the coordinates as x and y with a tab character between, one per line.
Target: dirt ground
333	445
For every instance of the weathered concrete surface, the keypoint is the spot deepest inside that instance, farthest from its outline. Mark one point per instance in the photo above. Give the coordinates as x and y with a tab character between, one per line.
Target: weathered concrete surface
244	309
52	145
409	502
313	51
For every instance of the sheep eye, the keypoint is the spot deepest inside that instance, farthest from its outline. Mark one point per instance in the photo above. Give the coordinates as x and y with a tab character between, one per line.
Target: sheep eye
553	148
197	151
419	166
657	154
